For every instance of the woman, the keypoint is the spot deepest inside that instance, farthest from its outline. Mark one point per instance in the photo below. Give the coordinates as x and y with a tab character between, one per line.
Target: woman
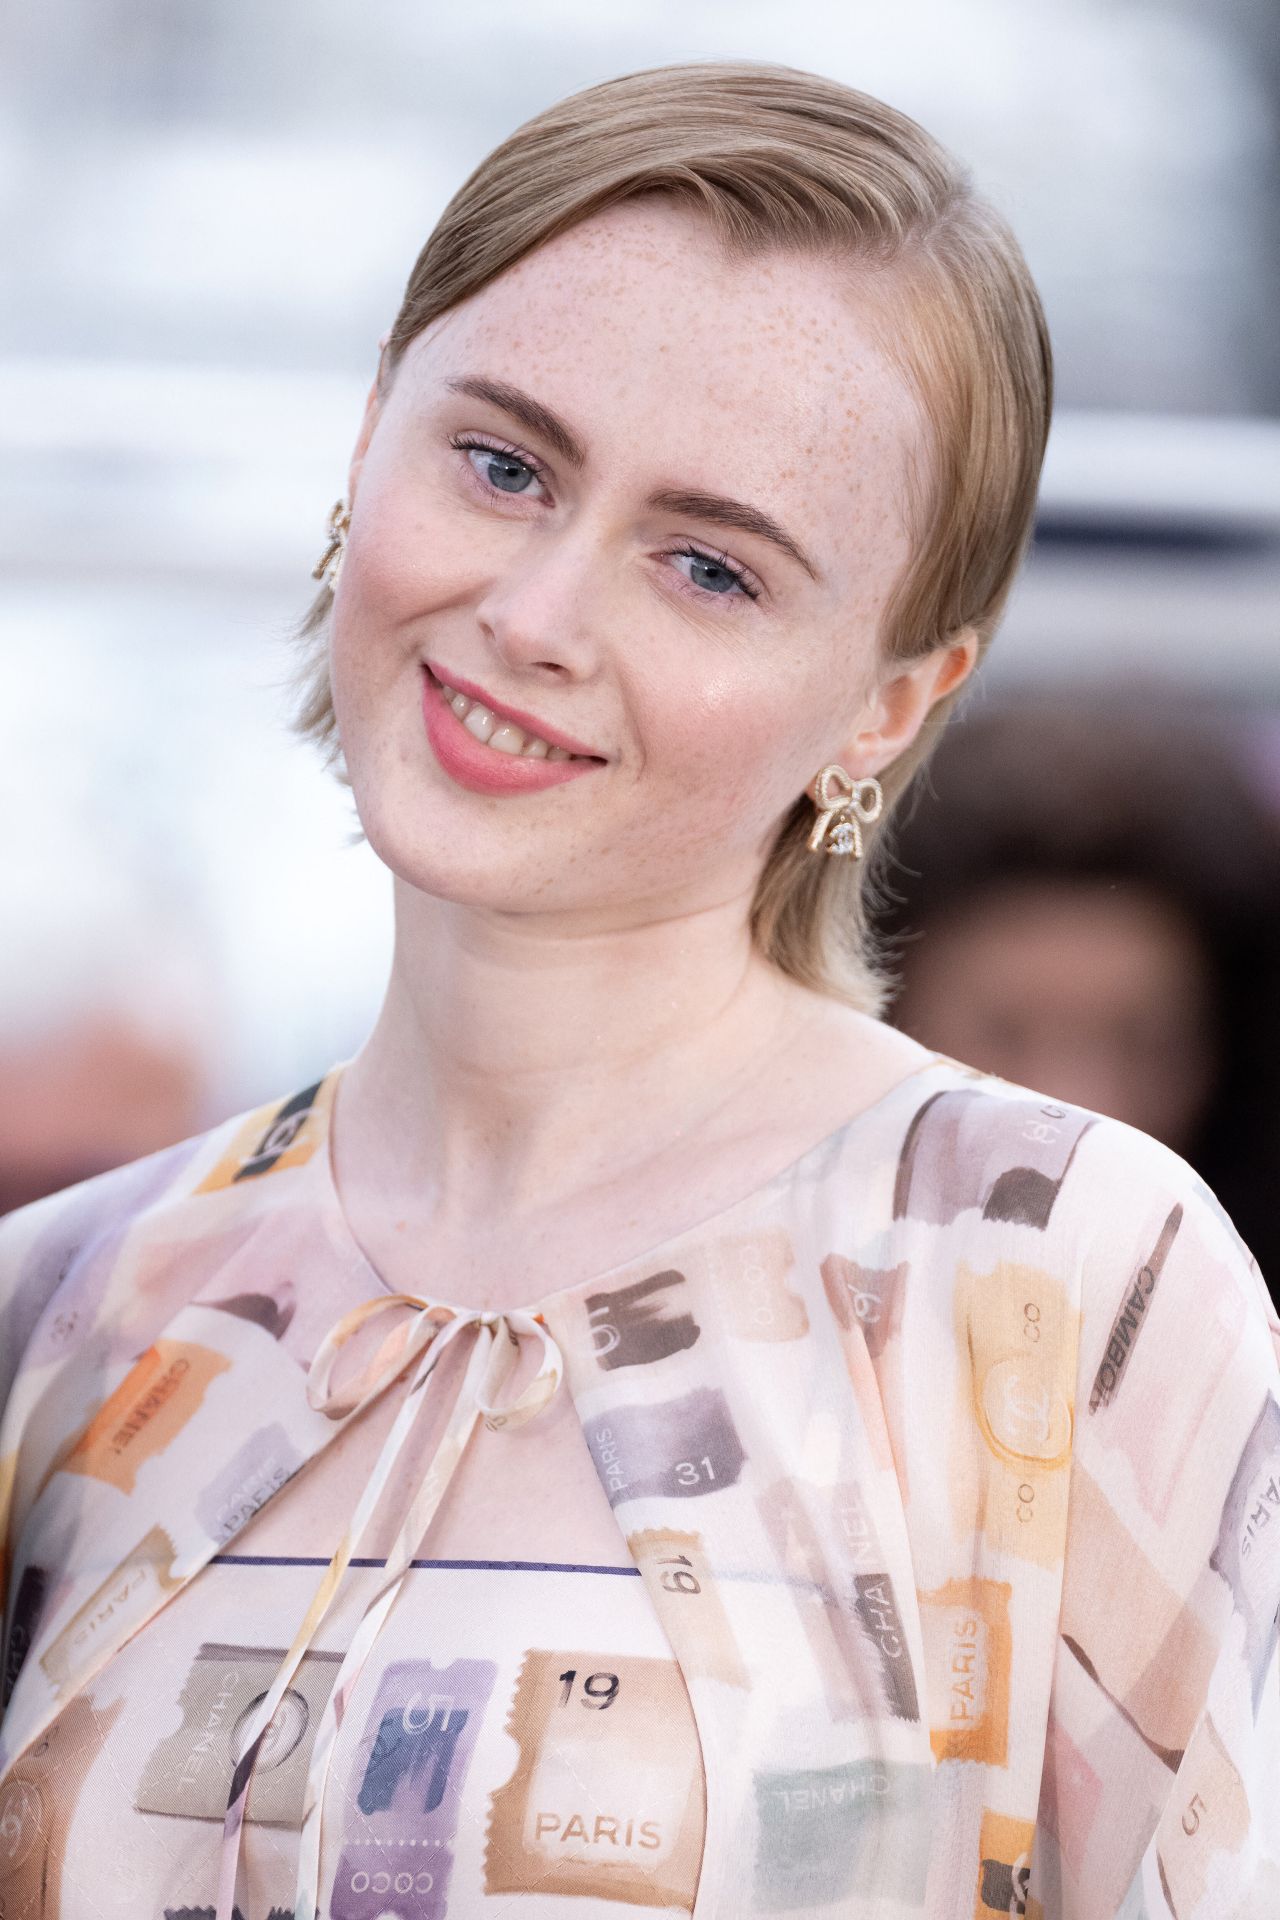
611	1443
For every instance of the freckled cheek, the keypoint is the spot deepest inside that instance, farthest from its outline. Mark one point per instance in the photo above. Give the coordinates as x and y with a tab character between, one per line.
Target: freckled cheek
398	584
399	572
736	754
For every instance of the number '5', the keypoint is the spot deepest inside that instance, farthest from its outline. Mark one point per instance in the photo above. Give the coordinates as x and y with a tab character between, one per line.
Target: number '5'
1191	1818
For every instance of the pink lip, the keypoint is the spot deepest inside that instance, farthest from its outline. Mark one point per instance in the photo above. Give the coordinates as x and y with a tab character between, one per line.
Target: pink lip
529	721
478	767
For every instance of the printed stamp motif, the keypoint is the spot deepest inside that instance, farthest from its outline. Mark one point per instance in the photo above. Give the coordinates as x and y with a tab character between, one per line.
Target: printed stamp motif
255	1472
876	1606
1153	1418
607	1797
968	1640
128	1596
867	1305
1010	1162
865	1297
687	1597
237	1913
1020	1337
270	1138
37	1802
146	1413
829	1832
739	1280
681	1448
1132	1316
24	1622
851	1616
640	1323
1247	1554
1210	1814
1004	1865
396	1862
189	1772
746	1275
271	1311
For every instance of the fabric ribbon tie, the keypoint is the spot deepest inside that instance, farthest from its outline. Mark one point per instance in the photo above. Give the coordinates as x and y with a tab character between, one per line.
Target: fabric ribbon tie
418	1340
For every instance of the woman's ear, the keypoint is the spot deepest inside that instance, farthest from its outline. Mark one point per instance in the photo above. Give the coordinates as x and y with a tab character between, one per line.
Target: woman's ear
899	703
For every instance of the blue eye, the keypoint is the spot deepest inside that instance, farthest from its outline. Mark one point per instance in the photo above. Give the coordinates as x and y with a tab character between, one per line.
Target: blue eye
714	576
506	471
502	468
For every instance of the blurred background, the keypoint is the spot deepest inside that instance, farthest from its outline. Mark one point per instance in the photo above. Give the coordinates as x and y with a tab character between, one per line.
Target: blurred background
207	215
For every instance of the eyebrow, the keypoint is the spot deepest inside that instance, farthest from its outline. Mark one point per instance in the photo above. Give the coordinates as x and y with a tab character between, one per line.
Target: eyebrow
530	412
736	514
549	427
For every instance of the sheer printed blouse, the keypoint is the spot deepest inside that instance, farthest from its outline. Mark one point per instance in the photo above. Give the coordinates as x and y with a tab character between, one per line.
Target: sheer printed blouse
947	1465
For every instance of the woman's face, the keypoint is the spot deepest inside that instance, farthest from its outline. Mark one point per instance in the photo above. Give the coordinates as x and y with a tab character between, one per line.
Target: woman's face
1097	993
652	500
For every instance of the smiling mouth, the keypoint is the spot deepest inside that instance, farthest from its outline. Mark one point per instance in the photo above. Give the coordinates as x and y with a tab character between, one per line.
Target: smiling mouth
495	731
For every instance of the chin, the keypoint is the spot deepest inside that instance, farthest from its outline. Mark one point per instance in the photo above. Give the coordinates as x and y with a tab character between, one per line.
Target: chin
410	829
422	849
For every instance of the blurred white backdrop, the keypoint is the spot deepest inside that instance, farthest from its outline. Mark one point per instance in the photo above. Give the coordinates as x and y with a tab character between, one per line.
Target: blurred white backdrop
207	216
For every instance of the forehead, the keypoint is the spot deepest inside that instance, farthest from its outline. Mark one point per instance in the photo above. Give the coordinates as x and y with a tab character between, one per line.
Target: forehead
660	348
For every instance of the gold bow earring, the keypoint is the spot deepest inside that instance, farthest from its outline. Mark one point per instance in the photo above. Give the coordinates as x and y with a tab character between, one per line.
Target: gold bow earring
329	565
844	806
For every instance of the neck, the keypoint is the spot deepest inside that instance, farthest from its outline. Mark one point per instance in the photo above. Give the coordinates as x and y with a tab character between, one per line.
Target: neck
513	1064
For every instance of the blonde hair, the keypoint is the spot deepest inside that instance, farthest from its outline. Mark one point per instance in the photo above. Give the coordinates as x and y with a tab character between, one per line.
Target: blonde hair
779	159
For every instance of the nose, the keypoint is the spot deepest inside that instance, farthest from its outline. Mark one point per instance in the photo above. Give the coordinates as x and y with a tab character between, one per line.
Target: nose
540	606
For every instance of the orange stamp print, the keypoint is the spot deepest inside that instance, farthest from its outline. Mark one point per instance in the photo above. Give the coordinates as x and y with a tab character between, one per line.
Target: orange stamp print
607	1798
125	1600
147	1411
688	1601
271	1139
1004	1867
1020	1335
968	1643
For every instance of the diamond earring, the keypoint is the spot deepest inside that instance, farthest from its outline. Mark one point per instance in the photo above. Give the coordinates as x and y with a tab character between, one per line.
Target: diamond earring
329	565
844	806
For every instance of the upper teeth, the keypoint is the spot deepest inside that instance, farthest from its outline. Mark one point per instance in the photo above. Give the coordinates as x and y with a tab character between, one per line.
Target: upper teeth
505	735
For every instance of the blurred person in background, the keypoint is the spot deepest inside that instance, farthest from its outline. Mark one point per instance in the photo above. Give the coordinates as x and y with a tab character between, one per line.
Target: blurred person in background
1084	897
694	474
110	1084
111	1022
